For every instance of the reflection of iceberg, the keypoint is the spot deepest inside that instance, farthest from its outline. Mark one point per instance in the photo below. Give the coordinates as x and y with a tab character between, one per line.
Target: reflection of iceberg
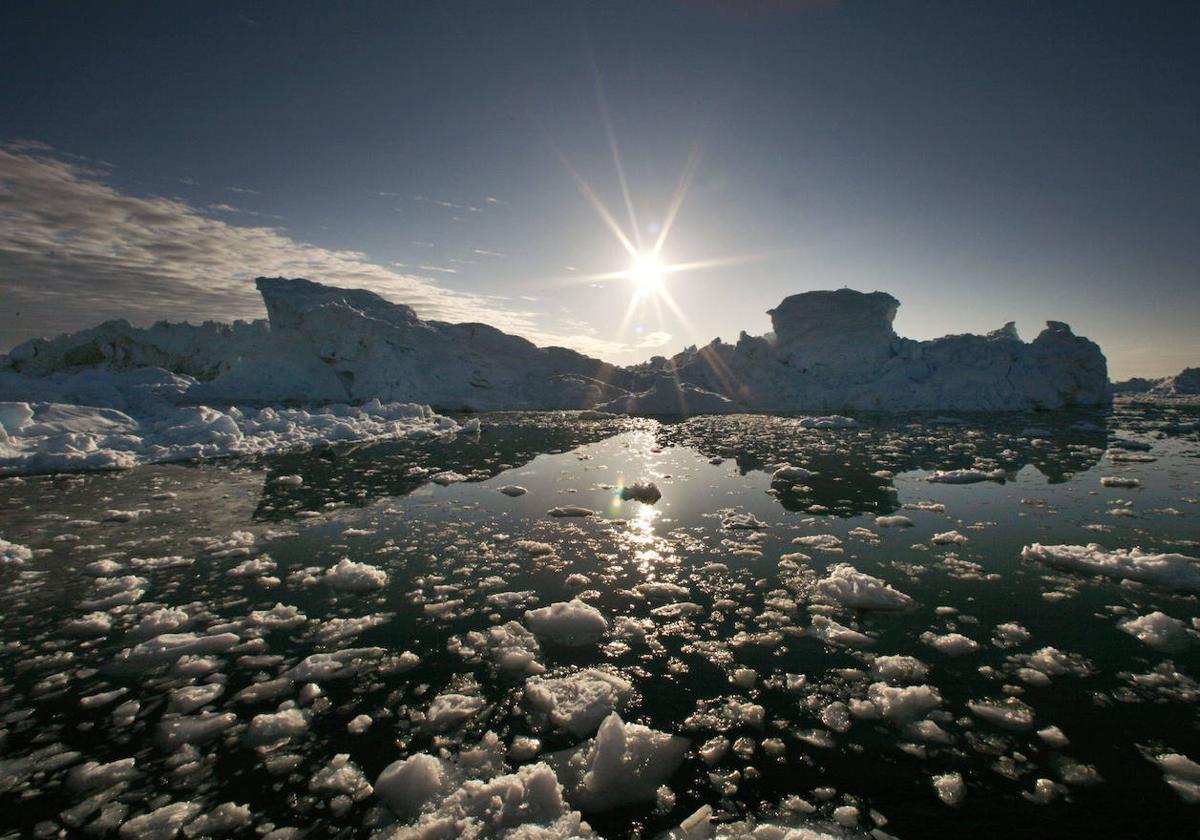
357	475
829	350
851	471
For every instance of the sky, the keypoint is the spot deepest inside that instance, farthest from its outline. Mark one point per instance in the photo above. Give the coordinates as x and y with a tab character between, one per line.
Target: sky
982	162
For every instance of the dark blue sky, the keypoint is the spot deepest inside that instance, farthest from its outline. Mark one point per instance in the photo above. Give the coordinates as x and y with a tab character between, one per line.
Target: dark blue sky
982	161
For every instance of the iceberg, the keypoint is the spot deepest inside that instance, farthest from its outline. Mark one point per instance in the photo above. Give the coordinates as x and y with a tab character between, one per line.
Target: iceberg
115	395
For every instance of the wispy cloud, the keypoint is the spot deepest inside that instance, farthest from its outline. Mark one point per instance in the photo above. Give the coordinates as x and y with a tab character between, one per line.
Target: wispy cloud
654	339
75	250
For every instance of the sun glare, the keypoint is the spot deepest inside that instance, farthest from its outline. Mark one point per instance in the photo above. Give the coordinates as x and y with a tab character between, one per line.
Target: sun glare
646	273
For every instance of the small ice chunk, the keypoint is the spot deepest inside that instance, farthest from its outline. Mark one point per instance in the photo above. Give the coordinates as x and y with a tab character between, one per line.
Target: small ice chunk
572	623
580	701
349	576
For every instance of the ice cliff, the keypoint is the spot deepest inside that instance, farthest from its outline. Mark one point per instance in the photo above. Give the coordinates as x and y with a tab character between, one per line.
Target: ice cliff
829	350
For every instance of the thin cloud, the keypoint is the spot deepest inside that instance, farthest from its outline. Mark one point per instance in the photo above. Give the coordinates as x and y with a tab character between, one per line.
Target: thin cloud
75	251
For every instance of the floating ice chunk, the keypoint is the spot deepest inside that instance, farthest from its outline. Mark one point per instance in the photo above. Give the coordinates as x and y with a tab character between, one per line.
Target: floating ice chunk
906	703
1012	632
525	805
273	728
948	538
829	631
176	730
349	576
513	490
223	819
833	421
893	522
337	630
572	623
405	786
1181	774
580	701
1156	629
92	775
899	669
160	824
447	477
510	646
821	542
1007	714
12	554
1053	736
643	491
359	724
254	567
950	788
341	777
92	624
1119	481
448	710
570	510
623	764
965	476
788	474
279	617
288	481
1173	571
742	522
662	591
168	647
951	644
319	667
165	620
851	588
190	698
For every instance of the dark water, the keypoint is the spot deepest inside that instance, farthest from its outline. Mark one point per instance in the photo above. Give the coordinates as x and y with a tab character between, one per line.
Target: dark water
441	544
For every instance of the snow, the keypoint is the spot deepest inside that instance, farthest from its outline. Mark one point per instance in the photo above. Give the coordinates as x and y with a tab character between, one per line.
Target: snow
580	701
1171	571
572	623
625	763
849	587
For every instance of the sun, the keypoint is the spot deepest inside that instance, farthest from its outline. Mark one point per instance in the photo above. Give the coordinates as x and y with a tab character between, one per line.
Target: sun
646	274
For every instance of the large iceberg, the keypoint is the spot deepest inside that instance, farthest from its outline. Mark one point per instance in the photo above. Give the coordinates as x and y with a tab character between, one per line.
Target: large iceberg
829	351
837	350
